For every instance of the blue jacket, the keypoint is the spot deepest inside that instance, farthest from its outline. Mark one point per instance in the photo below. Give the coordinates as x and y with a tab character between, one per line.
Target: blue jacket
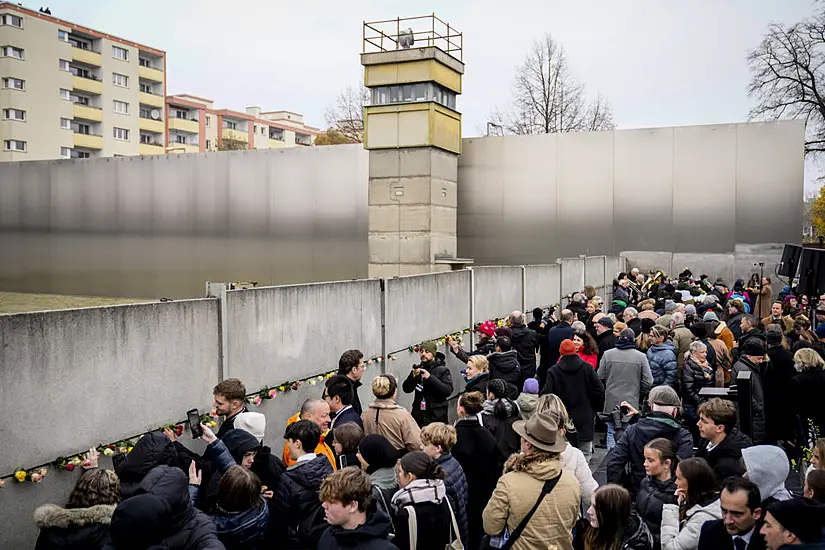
457	492
662	359
348	414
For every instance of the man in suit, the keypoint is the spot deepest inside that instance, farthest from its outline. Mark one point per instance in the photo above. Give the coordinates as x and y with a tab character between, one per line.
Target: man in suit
739	527
339	394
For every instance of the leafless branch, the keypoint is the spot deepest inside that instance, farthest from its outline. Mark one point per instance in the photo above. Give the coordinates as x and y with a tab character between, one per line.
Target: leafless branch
347	115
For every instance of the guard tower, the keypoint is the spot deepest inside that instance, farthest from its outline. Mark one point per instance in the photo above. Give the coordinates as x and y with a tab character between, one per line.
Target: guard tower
413	69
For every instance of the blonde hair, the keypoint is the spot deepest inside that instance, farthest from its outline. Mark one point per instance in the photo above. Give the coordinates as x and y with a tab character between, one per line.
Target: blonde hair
384	386
479	362
808	359
553	404
440	435
618	327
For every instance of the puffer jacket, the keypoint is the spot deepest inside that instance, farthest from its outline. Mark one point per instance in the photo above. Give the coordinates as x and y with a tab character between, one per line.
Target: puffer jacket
695	377
457	491
372	535
517	492
504	365
662	359
636	536
384	486
498	417
386	417
573	461
153	449
297	496
434	391
686	538
478	383
188	528
653	494
222	454
525	342
527	403
73	528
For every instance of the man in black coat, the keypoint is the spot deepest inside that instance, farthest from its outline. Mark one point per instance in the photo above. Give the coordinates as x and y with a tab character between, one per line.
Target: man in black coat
740	524
721	442
661	422
339	394
503	365
555	336
432	384
524	341
230	401
579	388
351	365
605	338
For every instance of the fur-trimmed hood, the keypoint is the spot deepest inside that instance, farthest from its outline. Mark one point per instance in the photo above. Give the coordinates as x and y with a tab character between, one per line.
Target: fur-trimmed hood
535	464
51	516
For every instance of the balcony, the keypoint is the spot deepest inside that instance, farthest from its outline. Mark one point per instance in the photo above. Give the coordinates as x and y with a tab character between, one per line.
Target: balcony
184	125
89	85
150	125
84	112
150	74
86	56
276	143
151	99
89	141
235	135
178	148
150	149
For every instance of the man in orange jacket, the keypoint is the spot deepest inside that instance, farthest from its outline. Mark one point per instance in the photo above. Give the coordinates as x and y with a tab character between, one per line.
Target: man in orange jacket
317	411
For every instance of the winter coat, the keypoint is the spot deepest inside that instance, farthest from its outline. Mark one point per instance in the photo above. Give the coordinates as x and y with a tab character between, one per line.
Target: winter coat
806	391
723	362
762	306
188	528
323	449
694	378
724	334
238	530
485	348
606	341
662	360
356	401
735	325
478	383
476	451
457	491
778	398
347	414
73	528
504	365
372	535
153	449
725	458
525	342
630	448
433	522
296	498
581	391
652	495
665	320
527	403
268	467
591	359
228	423
384	485
714	535
686	538
752	334
626	376
433	393
758	396
499	421
785	321
220	455
636	536
517	492
682	337
573	461
550	352
385	417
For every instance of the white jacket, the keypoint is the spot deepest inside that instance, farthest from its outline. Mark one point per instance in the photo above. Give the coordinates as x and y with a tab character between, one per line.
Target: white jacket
573	461
688	537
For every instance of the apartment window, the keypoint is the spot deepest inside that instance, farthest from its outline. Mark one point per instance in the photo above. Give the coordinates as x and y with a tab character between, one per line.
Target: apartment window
180	139
66	123
144	62
12	51
80	154
120	80
14	114
146	88
65	152
121	134
83	73
121	107
147	139
229	125
14	145
65	94
208	121
64	65
208	144
63	36
11	20
80	100
78	43
276	133
79	128
120	53
181	114
14	83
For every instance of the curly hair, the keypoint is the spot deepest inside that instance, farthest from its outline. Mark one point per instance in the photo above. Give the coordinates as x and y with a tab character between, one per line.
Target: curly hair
96	486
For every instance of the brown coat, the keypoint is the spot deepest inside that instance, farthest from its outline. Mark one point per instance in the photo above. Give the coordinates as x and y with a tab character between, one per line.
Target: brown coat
762	303
387	418
724	334
516	494
786	324
723	362
682	337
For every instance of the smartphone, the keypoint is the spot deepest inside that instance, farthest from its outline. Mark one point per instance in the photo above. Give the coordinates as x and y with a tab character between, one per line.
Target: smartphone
194	420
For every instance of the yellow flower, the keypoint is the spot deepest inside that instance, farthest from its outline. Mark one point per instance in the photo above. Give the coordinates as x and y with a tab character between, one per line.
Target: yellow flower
20	475
76	461
108	452
129	449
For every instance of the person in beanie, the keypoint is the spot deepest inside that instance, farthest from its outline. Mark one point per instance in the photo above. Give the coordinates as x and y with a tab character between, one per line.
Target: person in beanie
581	391
665	320
625	374
752	358
605	339
485	346
793	523
432	384
528	398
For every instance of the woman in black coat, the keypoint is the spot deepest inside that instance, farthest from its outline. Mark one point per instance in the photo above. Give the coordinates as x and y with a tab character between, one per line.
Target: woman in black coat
84	523
498	415
475	450
151	450
659	486
807	388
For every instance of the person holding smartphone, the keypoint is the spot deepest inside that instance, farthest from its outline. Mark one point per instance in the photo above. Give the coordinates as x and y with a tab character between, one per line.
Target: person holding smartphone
432	384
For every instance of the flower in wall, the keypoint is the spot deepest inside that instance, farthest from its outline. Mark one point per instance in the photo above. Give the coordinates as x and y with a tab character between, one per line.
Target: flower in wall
76	461
179	430
2	483
69	467
256	401
272	393
108	451
36	477
123	450
20	476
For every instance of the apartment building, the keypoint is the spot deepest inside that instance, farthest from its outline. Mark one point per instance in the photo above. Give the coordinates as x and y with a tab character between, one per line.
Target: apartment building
195	125
67	91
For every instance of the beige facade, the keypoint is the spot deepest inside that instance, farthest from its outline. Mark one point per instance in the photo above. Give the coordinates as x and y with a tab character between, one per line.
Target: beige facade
80	93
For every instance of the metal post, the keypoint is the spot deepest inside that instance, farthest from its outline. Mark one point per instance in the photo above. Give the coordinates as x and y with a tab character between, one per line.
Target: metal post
218	290
523	288
472	306
584	272
605	284
744	390
383	287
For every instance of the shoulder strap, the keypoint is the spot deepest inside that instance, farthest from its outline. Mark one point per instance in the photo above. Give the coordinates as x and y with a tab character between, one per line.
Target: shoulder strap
412	525
548	487
455	523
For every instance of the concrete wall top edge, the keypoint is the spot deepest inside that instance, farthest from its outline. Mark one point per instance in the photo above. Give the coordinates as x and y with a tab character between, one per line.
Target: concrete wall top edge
111	306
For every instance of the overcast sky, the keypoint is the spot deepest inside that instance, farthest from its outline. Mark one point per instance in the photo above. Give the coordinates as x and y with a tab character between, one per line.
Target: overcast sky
660	62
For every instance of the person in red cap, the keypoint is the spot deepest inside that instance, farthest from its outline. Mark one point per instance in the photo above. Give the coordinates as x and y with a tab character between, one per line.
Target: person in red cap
486	342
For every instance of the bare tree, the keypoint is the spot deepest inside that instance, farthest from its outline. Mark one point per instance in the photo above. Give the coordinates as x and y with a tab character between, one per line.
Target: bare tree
548	99
787	77
347	115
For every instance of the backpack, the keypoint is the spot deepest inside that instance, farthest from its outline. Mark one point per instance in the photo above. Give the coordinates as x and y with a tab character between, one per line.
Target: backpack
309	530
737	296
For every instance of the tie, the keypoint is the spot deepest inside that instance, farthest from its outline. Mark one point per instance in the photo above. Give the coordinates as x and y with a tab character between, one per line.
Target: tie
739	543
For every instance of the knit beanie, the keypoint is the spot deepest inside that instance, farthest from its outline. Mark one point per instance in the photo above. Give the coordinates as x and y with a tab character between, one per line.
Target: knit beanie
774	337
753	347
377	452
531	386
504	331
647	324
801	516
710	316
429	346
252	422
567	347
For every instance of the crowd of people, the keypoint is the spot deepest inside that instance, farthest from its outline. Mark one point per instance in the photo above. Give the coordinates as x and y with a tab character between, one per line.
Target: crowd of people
513	469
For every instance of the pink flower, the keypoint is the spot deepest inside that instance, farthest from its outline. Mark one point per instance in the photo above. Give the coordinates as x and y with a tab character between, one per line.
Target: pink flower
43	472
257	400
69	467
213	413
87	464
36	477
272	393
2	483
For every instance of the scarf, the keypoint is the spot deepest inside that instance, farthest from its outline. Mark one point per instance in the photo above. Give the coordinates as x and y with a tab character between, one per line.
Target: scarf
419	490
